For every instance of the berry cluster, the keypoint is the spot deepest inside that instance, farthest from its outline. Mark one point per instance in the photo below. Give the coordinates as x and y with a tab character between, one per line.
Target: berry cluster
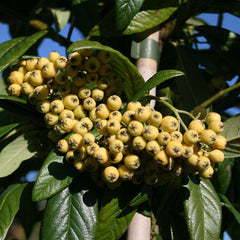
137	144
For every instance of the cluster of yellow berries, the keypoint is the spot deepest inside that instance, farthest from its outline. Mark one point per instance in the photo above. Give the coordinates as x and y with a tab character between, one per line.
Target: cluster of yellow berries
139	144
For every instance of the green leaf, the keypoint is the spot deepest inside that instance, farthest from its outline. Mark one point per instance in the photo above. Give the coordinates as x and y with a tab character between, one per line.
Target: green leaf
54	176
232	134
125	11
141	197
7	128
61	18
155	80
133	80
15	48
142	21
9	206
71	214
230	207
115	213
20	149
203	211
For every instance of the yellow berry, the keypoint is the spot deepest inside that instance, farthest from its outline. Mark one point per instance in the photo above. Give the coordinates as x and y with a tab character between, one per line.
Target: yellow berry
133	105
123	135
139	143
161	158
114	103
101	155
128	116
125	173
113	126
155	118
75	141
57	106
208	136
75	59
216	126
132	161
88	139
196	125
207	173
150	132
169	124
216	156
41	62
135	128
110	174
16	77
49	70
61	62
79	111
66	113
62	146
116	146
174	148
213	116
53	56
190	137
220	142
153	147
142	114
164	138
84	92
67	124
15	89
36	78
70	101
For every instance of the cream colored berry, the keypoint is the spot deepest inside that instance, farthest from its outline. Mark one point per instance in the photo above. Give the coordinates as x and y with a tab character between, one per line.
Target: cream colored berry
43	106
89	103
93	115
216	156
88	122
71	101
169	124
114	103
88	139
75	141
161	158
79	165
49	70
220	142
204	163
164	138
153	147
66	113
155	118
150	132
208	136
193	160
133	105
92	64
142	114
80	128
110	174
53	56
102	111
75	58
16	77
27	88
79	111
62	146
115	157
57	106
116	146
22	69
61	62
139	143
207	173
196	125
108	137
116	115
15	89
135	128
84	92
81	153
190	137
103	83
51	118
187	151
123	135
58	129
36	78
132	161
41	62
216	126
97	94
113	126
128	116
31	64
101	155
174	148
176	135
41	92
91	148
125	173
213	116
102	126
70	157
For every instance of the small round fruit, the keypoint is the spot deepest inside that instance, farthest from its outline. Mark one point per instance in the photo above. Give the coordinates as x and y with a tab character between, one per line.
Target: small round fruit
116	115
153	147
110	174
105	70
220	142
102	126
161	158
139	143
187	151
196	125
97	94
128	116
70	101
142	114
190	137
88	139
176	135
164	138
114	103
123	135
75	59
43	106
27	88
101	155
207	173
125	173
84	92
89	103
15	89
67	124
150	132
216	126
88	122
53	56
204	163
62	145
66	113
208	136
213	116
79	165
169	124
51	118
216	156
115	158
57	106
36	78
116	146
135	128
71	70
103	83
113	126
16	77
91	148
132	161
102	111
193	160
93	116
41	92
79	111
31	64
49	70
75	141
61	62
174	148
133	105
70	157
155	118
41	62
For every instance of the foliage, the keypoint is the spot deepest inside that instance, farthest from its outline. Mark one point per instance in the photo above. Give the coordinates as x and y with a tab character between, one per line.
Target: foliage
190	78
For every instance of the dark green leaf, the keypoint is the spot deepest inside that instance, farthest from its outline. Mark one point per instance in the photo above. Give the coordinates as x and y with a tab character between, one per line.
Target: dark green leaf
71	214
13	99
229	6
7	128
232	134
230	207
141	197
20	149
133	81
155	80
9	206
203	211
15	48
125	11
115	214
54	176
